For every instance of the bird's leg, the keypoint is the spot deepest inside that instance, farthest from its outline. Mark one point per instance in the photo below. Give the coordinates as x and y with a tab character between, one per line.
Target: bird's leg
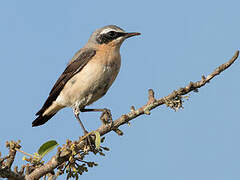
106	116
76	113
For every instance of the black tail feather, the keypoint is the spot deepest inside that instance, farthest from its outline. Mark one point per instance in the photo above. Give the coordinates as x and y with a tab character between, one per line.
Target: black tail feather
40	120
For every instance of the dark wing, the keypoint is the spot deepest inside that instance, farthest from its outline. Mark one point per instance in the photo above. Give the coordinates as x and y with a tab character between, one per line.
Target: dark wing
72	68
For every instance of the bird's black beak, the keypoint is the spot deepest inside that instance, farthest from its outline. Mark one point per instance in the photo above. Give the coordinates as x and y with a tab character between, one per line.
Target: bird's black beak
127	35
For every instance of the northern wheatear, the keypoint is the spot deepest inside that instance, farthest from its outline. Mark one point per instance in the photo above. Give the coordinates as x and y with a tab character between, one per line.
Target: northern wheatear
88	76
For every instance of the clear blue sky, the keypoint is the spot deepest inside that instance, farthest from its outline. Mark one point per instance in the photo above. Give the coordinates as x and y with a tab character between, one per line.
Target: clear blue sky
180	41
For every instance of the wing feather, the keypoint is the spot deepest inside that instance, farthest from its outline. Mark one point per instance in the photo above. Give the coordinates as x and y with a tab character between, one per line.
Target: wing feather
76	65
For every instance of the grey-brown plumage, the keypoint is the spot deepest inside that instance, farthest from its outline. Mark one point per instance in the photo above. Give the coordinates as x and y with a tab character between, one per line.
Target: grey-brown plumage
69	72
88	75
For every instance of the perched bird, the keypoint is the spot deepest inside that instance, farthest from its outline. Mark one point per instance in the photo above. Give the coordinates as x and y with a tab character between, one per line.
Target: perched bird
88	75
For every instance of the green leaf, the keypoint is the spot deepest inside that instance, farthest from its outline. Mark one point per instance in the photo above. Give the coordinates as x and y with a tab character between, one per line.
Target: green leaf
47	147
97	139
24	158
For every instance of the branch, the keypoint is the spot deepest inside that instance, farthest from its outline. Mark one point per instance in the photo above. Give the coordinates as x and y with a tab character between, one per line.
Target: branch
6	163
173	100
66	155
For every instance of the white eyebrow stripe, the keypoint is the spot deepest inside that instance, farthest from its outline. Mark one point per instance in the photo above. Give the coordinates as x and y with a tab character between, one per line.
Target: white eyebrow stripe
105	31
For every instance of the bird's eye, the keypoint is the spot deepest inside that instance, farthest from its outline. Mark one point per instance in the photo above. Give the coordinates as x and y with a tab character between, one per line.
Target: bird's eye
112	33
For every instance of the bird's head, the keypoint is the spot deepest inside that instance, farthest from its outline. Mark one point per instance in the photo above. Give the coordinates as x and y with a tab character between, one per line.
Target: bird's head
110	35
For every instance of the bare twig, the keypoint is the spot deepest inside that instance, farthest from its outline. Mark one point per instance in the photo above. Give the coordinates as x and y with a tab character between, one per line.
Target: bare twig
24	152
5	167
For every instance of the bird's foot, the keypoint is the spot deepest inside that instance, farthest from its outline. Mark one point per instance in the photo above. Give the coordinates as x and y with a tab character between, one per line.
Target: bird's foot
87	135
88	140
106	117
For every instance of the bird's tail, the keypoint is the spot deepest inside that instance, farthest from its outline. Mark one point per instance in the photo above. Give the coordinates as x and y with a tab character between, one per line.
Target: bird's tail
40	120
45	114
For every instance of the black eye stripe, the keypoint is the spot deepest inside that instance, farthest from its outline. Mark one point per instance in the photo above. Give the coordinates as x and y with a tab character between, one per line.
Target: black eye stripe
114	34
109	36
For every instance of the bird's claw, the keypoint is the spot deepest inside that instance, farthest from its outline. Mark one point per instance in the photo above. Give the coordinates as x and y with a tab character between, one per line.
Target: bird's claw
106	117
88	140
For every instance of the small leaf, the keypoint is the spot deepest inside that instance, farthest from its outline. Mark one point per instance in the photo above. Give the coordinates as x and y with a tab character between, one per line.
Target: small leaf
47	147
102	154
95	164
24	158
102	139
76	177
106	148
69	175
147	112
97	139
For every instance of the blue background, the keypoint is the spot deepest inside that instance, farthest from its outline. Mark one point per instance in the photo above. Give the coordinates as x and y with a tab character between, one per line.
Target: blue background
180	41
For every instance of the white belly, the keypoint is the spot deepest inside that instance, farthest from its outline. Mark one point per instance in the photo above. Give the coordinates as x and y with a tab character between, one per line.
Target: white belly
87	86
